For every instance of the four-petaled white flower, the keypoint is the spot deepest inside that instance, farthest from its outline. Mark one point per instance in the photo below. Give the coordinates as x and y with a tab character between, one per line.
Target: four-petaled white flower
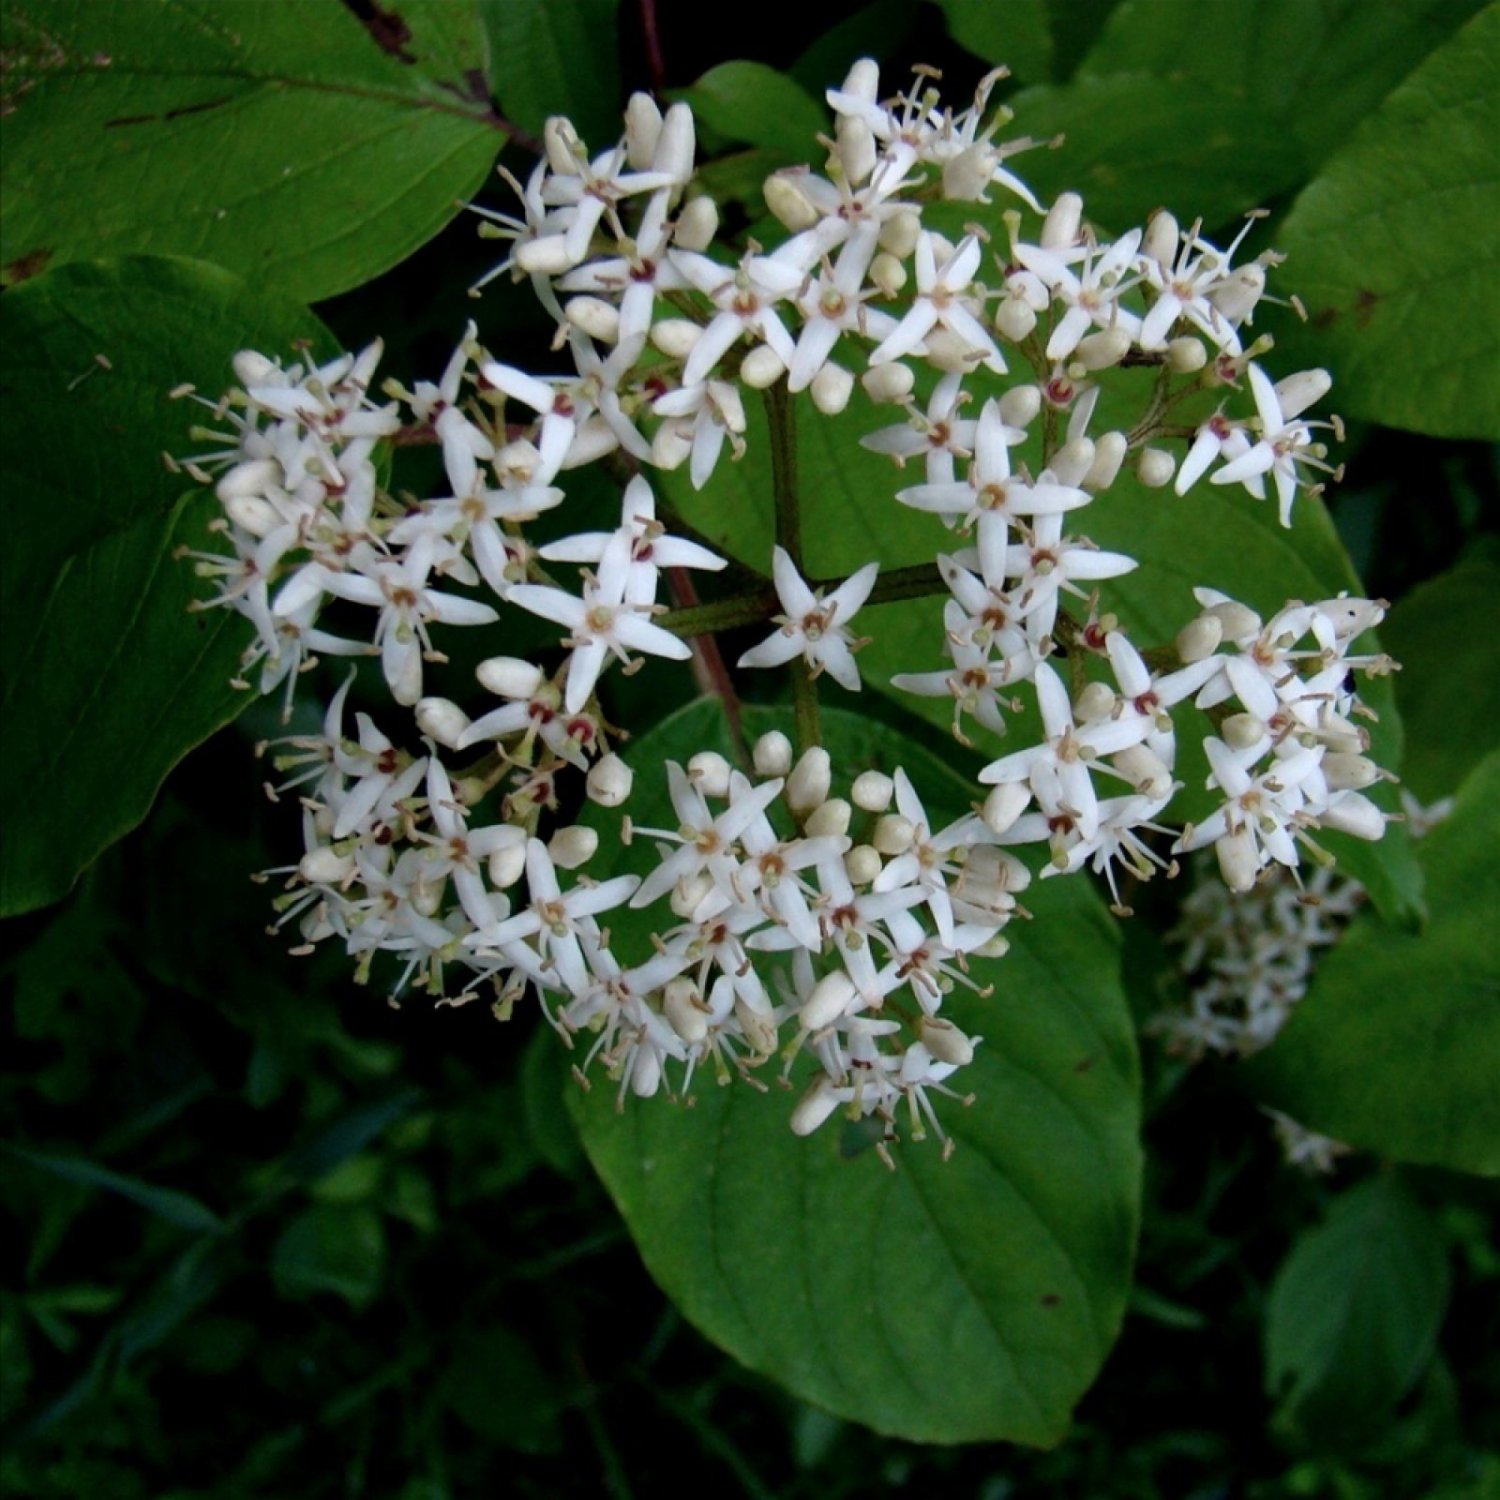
814	628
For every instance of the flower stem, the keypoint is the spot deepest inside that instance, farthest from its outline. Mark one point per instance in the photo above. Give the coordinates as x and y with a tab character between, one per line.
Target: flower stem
783	422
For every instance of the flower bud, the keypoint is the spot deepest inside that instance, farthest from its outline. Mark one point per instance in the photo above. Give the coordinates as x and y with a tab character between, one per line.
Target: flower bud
547	256
251	513
872	791
945	1041
250	479
323	866
442	720
807	786
1348	773
761	368
830	999
595	317
509	677
1306	388
862	864
1155	468
252	368
887	273
711	772
758	1026
893	834
948	352
645	1072
561	143
697	224
1060	227
772	755
786	200
863	80
676	145
609	781
1019	406
689	894
831	388
898	235
1109	455
1199	639
1355	815
1240	622
994	869
672	445
573	846
675	337
969	173
685	1011
1095	701
1014	319
829	820
1161	239
508	863
1243	731
1098	351
1186	356
815	1106
1237	296
642	130
1238	862
888	382
1005	803
1071	462
857	150
1145	770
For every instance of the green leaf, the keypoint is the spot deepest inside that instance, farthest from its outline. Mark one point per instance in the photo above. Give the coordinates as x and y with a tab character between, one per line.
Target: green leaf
497	1389
105	681
556	57
1311	71
1354	1313
293	143
331	1248
1394	250
747	101
1446	653
181	1209
952	1301
1015	33
1396	1046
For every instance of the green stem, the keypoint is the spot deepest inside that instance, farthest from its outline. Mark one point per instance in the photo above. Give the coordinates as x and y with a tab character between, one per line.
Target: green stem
784	471
808	721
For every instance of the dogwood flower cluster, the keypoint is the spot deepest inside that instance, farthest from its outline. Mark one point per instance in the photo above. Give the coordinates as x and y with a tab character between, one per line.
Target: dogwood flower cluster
781	917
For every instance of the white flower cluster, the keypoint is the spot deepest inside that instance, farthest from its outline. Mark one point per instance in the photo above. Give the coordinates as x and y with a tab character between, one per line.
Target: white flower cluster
864	928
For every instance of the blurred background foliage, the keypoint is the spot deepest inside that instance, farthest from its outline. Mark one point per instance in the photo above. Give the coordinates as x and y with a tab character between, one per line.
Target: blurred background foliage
268	1235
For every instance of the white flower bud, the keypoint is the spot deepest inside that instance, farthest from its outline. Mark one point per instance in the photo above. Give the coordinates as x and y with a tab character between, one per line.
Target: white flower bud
595	317
945	1041
1098	351
697	224
887	273
675	337
1240	622
948	352
1355	815
829	820
1145	770
547	256
1072	461
862	864
892	381
772	755
1109	455
508	863
251	368
789	204
642	130
1155	468
609	781
1005	803
406	684
249	480
1060	227
1241	731
829	1000
731	406
573	846
898	235
1162	238
967	175
815	1106
711	772
1096	700
1019	405
872	791
676	145
893	834
1186	356
1348	773
995	869
683	1007
1297	392
758	1026
427	900
1199	639
672	445
509	677
863	80
323	866
857	150
1238	863
1014	319
251	513
689	894
807	786
645	1073
831	388
1237	296
761	368
441	719
561	143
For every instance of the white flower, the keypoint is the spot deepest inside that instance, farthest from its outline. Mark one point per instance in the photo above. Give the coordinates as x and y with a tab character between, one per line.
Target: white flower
939	301
813	627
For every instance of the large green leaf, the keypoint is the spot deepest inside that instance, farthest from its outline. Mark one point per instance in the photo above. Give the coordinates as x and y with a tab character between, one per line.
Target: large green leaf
1396	1047
958	1301
1013	32
556	57
107	681
747	101
295	143
1395	254
1355	1311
